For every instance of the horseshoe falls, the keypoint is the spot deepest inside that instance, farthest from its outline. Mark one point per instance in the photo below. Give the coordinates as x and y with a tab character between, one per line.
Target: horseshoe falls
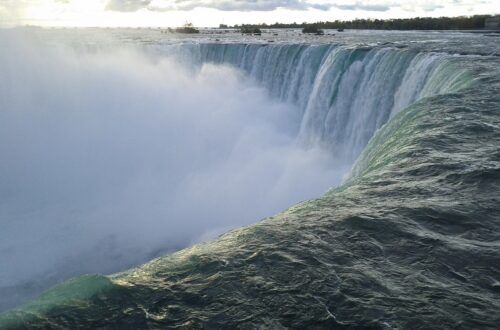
343	94
137	166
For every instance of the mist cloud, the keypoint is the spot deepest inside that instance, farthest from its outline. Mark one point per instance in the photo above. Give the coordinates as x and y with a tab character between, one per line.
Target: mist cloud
110	158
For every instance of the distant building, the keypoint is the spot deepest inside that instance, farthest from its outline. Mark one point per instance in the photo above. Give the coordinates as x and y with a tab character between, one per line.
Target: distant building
492	23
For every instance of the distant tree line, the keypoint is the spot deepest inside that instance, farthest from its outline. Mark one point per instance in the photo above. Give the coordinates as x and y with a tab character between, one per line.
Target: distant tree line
251	30
475	22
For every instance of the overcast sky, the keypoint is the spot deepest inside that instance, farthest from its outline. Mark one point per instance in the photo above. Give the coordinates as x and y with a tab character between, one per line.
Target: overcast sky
214	12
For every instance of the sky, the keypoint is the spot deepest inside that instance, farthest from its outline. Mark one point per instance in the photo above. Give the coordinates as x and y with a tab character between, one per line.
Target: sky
145	13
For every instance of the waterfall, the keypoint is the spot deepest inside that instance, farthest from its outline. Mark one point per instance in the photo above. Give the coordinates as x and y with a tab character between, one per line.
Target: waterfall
112	156
343	93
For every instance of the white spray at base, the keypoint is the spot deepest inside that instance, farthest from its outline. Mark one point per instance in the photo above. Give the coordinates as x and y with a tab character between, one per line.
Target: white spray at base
112	157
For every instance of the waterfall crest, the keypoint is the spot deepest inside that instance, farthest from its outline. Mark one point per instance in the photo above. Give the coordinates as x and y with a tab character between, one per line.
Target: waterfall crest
343	94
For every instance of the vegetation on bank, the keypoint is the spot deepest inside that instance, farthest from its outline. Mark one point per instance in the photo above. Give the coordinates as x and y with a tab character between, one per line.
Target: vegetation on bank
312	28
475	22
186	28
251	30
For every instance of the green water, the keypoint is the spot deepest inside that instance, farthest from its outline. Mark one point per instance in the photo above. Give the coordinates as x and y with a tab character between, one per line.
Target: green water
410	240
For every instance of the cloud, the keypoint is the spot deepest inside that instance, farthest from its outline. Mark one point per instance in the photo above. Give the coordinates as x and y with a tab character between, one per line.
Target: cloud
127	5
224	5
245	5
14	7
361	6
242	5
270	5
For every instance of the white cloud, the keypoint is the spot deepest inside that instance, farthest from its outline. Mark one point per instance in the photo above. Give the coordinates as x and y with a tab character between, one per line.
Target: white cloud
213	12
127	5
224	5
269	5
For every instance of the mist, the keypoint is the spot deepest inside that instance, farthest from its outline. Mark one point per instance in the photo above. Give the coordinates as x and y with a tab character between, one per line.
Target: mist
112	157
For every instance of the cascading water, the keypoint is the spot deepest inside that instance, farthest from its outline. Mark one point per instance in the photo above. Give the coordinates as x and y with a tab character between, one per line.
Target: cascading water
343	94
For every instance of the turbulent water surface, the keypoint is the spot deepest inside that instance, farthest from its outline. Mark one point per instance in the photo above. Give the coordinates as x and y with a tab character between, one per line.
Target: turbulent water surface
122	145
